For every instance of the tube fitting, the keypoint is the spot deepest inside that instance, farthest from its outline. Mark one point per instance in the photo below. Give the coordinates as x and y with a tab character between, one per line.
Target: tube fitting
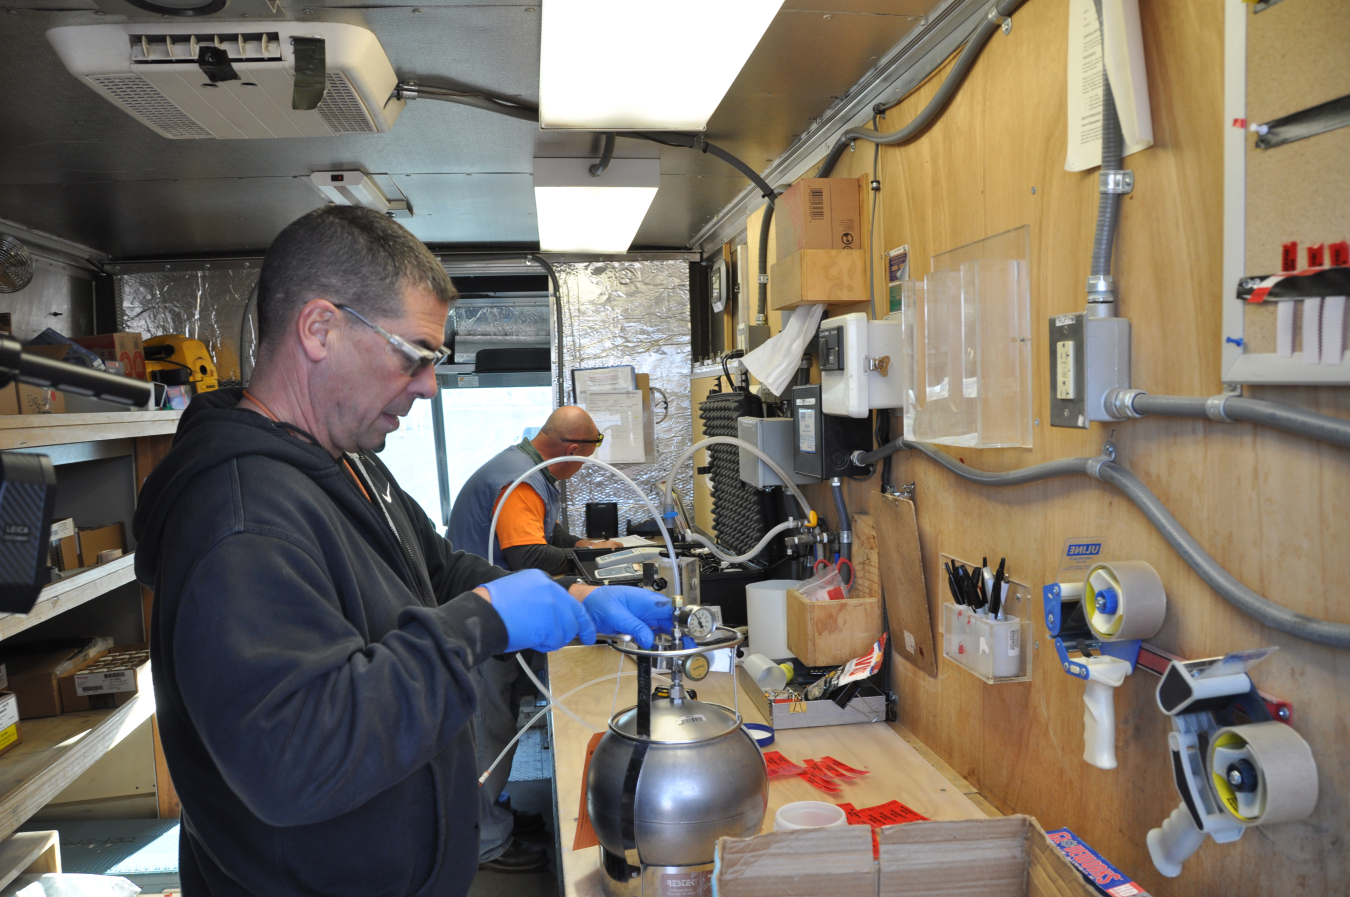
1214	408
405	90
1101	296
1119	403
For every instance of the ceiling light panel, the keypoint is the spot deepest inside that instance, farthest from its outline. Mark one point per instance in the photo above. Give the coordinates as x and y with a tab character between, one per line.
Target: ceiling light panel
580	213
643	64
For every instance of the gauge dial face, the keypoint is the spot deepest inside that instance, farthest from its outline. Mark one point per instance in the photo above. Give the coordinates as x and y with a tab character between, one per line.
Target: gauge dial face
696	666
700	623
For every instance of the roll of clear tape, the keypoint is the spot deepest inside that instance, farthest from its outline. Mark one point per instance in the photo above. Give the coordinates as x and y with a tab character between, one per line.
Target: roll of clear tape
767	674
1142	601
1286	773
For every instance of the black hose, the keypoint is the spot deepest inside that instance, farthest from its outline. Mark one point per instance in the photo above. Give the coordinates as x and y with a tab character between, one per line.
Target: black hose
762	263
1258	607
606	156
935	106
841	509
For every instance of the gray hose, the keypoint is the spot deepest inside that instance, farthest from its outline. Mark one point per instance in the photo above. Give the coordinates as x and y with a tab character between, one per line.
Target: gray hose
1108	205
409	90
935	106
1137	403
606	156
841	510
1259	608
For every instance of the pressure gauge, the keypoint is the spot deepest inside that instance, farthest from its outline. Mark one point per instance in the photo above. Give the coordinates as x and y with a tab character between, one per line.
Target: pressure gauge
695	666
698	622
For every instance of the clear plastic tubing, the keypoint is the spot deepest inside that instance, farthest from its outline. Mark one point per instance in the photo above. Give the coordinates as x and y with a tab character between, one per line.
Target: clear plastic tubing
754	450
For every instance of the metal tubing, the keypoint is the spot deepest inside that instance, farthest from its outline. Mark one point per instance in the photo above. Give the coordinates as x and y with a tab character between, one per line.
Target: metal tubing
841	509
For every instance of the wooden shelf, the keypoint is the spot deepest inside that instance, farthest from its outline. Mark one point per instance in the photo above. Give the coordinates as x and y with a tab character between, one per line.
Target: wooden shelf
31	430
56	750
31	852
62	596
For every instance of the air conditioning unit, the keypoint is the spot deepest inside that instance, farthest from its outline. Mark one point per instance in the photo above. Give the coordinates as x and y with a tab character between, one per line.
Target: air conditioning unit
150	71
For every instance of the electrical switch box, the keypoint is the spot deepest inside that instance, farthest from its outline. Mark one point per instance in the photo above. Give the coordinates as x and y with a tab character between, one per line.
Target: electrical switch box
1088	358
860	365
822	443
774	436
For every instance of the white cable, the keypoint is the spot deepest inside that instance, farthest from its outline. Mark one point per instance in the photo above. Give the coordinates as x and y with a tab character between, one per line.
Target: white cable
742	558
739	443
569	459
618	682
553	702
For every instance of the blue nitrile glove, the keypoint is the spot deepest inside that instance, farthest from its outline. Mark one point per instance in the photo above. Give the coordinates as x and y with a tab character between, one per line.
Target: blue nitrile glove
538	613
630	610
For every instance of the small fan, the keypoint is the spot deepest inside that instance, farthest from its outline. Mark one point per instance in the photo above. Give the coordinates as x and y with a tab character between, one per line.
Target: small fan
16	265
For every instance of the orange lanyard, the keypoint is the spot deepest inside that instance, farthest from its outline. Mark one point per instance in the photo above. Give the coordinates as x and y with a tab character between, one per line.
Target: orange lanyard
268	411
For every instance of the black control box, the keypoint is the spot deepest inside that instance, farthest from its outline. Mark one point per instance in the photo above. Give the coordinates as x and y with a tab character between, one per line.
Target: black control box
822	443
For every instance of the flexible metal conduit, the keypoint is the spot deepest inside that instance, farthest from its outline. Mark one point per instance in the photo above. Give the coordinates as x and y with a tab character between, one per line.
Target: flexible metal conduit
1260	608
986	29
1127	403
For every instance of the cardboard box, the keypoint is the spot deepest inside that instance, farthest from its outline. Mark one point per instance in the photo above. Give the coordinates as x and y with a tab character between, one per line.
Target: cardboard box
36	668
1009	857
10	737
127	349
828	633
818	213
95	540
106	682
21	398
825	276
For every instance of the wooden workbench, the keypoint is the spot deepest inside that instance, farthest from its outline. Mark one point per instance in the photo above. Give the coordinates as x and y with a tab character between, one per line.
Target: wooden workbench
897	771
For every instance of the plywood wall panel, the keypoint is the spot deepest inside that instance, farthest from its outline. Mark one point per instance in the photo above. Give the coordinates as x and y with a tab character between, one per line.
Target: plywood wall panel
1272	508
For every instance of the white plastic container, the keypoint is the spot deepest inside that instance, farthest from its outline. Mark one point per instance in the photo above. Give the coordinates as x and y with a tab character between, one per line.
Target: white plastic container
808	814
987	647
766	614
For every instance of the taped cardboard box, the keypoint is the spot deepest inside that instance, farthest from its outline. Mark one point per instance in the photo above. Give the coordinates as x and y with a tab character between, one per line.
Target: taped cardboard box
10	737
1006	857
94	540
127	349
818	213
108	681
21	398
36	668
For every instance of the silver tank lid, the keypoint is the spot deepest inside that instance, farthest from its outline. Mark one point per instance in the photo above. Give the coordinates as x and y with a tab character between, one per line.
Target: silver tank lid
683	723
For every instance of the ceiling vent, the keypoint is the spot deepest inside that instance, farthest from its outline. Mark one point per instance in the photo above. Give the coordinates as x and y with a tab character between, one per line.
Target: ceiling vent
151	72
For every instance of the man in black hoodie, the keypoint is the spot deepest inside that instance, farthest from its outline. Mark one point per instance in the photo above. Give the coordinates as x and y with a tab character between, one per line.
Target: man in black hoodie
312	635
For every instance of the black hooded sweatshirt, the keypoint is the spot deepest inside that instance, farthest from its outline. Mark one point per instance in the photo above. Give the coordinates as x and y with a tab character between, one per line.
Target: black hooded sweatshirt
311	650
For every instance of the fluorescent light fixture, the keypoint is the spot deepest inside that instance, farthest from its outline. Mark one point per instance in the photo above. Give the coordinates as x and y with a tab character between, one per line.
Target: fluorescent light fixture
608	65
356	188
581	213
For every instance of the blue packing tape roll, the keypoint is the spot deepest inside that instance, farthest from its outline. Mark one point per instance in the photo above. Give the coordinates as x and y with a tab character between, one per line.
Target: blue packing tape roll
762	734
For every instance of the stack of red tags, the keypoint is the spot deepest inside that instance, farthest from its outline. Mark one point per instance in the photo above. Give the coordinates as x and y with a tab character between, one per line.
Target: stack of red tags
890	813
824	774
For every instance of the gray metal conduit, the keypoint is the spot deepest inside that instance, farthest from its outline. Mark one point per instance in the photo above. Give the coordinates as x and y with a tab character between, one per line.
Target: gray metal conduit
997	12
1134	403
1258	607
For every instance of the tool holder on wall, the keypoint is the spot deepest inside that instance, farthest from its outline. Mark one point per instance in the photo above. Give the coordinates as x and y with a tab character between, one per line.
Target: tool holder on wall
996	652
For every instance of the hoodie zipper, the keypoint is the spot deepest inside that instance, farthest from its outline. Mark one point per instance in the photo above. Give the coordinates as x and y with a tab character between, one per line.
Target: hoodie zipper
408	556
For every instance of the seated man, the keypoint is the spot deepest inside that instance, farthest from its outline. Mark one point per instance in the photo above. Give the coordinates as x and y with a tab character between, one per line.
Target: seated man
528	532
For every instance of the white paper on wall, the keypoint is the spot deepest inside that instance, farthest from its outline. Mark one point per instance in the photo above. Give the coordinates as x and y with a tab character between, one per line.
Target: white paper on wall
618	415
1116	47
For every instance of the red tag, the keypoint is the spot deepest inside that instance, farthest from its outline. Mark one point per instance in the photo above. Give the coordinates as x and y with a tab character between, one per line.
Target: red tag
1340	253
851	815
778	765
891	813
1240	123
818	781
1317	256
1289	256
843	768
836	593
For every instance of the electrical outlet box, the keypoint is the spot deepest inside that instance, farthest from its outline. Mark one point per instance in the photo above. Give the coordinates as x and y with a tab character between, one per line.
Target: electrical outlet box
860	365
774	436
1088	358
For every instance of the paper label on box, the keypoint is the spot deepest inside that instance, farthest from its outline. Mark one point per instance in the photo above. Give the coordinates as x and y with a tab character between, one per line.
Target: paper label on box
1014	641
467	381
806	430
9	711
909	641
62	528
105	682
9	735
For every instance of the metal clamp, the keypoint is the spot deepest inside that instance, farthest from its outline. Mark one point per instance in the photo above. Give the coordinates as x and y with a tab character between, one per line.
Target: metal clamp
1119	403
630	647
881	365
1005	21
1115	181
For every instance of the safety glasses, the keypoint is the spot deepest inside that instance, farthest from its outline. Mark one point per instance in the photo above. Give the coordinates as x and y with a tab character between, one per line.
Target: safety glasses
596	441
415	358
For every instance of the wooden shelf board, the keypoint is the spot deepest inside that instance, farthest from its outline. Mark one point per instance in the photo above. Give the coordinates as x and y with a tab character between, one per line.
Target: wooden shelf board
29	430
56	750
36	852
62	596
